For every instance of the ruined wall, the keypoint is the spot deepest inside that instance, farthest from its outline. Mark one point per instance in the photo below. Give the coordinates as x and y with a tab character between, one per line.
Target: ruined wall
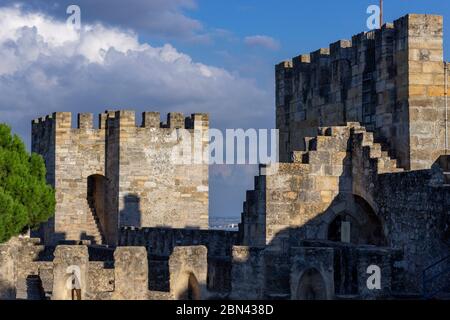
130	273
298	194
188	273
70	271
101	280
32	271
248	273
390	80
160	243
336	270
411	206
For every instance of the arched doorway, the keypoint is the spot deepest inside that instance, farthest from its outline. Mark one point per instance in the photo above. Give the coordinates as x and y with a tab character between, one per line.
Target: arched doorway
357	224
96	188
193	288
311	286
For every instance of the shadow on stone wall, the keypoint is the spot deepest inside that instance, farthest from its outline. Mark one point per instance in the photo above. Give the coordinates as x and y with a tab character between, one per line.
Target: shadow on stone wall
131	214
327	256
35	290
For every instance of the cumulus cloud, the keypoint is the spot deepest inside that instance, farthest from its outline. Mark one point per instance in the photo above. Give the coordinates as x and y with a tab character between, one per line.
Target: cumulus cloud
48	67
166	18
262	41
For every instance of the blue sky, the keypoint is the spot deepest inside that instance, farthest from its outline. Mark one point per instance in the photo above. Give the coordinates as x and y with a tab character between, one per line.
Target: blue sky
153	53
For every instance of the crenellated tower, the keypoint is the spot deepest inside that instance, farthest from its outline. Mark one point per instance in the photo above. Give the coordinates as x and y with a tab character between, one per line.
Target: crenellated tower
390	80
120	174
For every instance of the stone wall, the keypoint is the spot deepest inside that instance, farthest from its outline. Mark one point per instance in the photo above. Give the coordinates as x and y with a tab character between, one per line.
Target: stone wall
7	276
160	243
188	272
72	155
130	273
319	282
345	176
120	174
248	273
32	271
70	272
155	188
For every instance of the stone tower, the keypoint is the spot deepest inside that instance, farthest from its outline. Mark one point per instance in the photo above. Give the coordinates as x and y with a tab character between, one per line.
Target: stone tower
120	174
390	80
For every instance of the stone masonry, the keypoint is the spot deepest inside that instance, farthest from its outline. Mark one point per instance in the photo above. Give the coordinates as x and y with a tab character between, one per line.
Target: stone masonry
363	184
121	175
389	80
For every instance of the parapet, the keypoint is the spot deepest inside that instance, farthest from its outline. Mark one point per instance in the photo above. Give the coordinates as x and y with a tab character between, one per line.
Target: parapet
175	120
411	25
126	118
284	65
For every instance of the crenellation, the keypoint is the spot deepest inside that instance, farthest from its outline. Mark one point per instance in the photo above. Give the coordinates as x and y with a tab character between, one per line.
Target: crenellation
85	162
151	120
126	118
85	121
175	120
63	120
373	79
197	121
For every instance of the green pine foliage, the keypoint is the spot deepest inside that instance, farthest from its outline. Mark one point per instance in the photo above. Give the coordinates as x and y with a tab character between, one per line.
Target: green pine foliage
26	199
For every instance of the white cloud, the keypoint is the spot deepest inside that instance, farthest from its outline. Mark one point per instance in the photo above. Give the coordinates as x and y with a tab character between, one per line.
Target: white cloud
166	18
44	67
47	67
262	41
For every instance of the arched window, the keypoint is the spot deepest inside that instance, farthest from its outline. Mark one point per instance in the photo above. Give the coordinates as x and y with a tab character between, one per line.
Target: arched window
357	224
311	286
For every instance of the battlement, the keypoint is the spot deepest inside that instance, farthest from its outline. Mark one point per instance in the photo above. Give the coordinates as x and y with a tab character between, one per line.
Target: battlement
80	156
411	25
379	78
126	118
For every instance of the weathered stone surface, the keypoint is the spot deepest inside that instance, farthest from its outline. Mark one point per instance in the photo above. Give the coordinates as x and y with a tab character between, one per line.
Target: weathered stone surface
123	175
188	271
130	273
363	182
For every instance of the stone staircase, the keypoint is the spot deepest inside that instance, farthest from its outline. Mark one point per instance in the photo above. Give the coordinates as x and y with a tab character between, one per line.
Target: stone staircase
336	138
94	229
251	209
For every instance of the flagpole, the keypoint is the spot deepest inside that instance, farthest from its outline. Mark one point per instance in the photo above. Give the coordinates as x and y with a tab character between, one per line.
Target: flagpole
381	13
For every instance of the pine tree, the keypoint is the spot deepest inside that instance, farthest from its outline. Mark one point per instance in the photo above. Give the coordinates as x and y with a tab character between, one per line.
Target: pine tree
26	199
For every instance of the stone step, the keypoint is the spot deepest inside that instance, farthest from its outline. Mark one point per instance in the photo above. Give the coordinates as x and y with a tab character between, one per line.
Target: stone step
300	157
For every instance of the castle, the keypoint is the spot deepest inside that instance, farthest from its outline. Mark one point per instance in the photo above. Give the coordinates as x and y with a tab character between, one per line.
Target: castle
363	181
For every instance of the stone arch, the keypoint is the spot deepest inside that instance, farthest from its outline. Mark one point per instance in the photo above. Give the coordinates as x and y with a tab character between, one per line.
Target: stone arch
72	283
188	287
96	184
311	286
356	215
96	190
